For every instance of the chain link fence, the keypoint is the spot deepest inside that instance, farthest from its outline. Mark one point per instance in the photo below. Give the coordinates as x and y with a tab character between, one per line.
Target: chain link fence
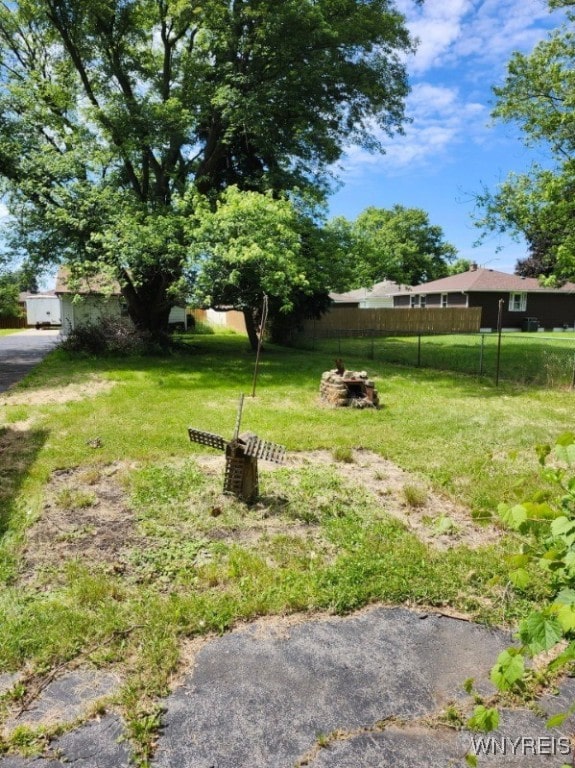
542	359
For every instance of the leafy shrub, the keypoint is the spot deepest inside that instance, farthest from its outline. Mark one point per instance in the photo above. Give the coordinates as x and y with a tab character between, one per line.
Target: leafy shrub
111	335
547	530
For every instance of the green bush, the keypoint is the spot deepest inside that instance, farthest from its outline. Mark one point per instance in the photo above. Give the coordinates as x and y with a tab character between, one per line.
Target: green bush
115	336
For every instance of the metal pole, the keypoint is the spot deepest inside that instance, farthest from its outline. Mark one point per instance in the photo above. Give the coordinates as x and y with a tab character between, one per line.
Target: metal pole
481	354
573	375
260	341
419	351
238	419
499	324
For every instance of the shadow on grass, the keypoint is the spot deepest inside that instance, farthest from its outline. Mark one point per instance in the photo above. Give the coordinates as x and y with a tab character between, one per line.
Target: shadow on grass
221	362
18	451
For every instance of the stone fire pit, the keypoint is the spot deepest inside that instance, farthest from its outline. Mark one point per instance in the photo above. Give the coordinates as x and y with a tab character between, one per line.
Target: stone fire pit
352	389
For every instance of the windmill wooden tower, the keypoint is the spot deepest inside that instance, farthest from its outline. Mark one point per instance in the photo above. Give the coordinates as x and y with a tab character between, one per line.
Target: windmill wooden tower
242	454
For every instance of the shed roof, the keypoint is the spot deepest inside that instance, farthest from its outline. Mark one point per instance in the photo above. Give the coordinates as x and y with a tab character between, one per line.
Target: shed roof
97	283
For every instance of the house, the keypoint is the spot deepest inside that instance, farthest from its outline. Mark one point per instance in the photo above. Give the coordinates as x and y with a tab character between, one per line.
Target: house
526	304
99	297
378	296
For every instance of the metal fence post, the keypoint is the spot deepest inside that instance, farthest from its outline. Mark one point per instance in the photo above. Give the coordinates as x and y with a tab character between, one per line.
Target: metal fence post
419	351
481	354
499	329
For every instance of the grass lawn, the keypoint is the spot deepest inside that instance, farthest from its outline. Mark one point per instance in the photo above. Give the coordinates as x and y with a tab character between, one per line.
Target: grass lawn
10	331
543	359
116	542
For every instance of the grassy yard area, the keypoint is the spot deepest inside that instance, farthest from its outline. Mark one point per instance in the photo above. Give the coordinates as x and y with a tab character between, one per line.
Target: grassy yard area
116	541
542	359
10	331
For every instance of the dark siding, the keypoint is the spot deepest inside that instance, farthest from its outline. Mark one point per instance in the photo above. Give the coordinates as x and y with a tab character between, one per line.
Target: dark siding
456	299
552	310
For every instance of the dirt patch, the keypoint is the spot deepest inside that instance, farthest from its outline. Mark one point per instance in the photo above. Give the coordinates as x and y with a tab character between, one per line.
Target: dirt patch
87	514
435	519
58	394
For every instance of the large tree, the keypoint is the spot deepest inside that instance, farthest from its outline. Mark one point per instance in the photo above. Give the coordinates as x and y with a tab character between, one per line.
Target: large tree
253	245
539	96
111	110
398	244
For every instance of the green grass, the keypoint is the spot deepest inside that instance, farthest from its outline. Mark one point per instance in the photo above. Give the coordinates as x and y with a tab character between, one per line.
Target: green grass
10	331
542	359
201	561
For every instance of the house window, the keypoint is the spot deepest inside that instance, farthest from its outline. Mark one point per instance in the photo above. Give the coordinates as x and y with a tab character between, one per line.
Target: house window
443	300
414	301
423	301
517	302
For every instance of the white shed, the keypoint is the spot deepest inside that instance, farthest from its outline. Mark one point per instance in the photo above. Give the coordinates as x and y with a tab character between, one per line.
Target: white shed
43	309
96	300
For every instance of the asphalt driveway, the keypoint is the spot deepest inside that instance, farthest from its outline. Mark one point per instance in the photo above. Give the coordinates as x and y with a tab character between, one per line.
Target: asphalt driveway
20	352
365	691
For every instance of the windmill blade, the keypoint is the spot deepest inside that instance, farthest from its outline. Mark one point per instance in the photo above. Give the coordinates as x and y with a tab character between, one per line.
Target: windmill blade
263	449
207	438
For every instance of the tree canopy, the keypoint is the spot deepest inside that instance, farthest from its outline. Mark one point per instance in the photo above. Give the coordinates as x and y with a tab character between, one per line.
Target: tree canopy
112	110
539	96
398	244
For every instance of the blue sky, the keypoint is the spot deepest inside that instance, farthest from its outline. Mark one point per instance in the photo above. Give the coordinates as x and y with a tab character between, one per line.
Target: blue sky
452	148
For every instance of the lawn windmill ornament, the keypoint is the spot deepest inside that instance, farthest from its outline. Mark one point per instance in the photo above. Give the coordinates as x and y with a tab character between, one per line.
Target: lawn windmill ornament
242	454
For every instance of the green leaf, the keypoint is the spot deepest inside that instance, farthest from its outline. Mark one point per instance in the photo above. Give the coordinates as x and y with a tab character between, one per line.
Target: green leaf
520	578
566	617
508	670
471	760
565	439
564	658
519	561
540	632
484	719
539	511
566	453
565	597
514	517
563	526
557	720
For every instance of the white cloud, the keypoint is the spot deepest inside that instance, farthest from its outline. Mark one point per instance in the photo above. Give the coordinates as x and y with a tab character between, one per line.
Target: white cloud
463	48
440	119
449	30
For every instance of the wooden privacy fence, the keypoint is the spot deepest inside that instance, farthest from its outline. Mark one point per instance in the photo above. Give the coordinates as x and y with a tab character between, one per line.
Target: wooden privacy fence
13	322
355	321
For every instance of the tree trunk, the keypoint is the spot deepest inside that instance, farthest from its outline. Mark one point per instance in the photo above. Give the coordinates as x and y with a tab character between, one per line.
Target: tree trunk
249	320
149	309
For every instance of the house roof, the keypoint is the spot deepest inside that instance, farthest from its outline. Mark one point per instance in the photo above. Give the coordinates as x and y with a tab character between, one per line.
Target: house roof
377	291
94	284
486	280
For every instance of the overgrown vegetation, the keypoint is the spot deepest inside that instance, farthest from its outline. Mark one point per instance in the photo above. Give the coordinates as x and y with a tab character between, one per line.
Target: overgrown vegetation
546	524
191	561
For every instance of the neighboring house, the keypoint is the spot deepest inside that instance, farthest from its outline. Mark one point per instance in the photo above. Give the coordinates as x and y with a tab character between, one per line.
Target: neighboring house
526	304
42	309
98	298
379	295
